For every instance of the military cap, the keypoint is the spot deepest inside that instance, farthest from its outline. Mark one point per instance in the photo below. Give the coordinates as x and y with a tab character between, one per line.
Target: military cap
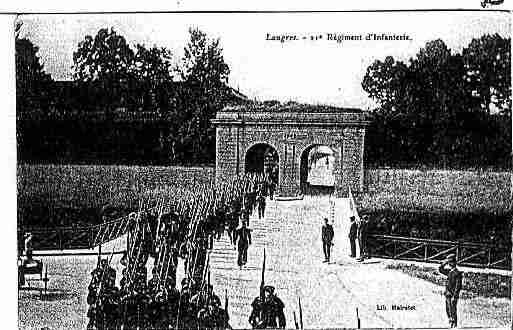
269	288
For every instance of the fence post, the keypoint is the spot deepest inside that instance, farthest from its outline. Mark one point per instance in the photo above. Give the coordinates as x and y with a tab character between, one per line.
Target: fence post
425	252
59	233
91	237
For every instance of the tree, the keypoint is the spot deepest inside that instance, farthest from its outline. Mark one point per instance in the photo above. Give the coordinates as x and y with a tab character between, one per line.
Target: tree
488	64
152	69
32	82
203	63
428	112
106	61
205	75
384	81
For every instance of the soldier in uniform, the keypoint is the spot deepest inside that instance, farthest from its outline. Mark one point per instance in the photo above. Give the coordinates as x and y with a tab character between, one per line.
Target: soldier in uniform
110	303
212	316
352	236
243	238
362	237
327	239
153	283
261	206
267	312
452	288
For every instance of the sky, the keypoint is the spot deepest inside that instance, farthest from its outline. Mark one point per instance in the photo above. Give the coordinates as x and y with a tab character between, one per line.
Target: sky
309	71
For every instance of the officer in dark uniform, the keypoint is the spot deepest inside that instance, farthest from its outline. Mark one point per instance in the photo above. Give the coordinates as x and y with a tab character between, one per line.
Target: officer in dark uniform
267	313
452	288
327	239
242	237
352	236
362	232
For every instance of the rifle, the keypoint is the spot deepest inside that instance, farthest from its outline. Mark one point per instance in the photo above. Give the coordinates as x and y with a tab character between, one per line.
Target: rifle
300	313
99	255
262	295
358	318
295	321
262	280
226	300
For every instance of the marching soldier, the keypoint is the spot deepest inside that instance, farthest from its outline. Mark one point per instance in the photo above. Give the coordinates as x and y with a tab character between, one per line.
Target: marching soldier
452	288
267	313
213	316
233	220
261	206
243	238
153	283
327	239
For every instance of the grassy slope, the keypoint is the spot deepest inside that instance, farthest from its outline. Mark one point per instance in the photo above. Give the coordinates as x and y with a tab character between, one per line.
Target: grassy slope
438	191
91	186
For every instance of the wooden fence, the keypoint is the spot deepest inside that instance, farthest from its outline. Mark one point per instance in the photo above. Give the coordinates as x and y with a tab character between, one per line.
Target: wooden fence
428	250
85	237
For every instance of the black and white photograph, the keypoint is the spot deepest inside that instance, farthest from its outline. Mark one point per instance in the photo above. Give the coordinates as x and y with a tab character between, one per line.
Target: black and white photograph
255	170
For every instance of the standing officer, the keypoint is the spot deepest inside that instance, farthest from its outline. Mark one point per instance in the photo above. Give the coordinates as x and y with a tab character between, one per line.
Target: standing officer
242	237
362	238
352	236
452	288
327	239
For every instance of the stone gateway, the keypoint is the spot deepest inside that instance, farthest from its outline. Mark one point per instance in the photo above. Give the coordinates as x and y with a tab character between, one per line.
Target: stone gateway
250	136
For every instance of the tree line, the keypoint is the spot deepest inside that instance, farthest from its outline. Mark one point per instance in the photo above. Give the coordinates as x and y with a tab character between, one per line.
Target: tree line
439	109
112	78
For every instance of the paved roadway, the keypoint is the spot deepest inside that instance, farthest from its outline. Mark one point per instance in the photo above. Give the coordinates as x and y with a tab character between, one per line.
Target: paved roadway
330	293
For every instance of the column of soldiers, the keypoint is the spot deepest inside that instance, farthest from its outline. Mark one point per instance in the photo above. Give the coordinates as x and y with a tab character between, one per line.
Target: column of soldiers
186	230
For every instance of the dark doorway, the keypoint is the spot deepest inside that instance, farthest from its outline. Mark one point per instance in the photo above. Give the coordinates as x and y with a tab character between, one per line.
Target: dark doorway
263	158
317	175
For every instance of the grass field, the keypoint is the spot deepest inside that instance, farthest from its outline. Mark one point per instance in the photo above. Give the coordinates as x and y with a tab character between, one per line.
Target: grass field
55	191
95	185
438	191
63	192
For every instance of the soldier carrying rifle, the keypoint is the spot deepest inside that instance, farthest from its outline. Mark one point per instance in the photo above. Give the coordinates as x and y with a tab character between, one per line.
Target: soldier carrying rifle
267	309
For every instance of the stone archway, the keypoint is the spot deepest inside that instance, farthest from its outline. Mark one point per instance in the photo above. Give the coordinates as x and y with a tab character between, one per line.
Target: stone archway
317	173
244	132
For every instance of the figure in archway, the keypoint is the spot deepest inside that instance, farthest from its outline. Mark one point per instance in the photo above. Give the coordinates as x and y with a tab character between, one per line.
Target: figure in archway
263	158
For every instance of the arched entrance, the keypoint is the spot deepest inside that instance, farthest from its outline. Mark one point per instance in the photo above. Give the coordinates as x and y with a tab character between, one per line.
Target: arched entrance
245	133
317	171
263	158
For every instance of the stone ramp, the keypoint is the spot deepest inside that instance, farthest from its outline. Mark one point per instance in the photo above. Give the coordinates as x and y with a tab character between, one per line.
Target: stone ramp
329	294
